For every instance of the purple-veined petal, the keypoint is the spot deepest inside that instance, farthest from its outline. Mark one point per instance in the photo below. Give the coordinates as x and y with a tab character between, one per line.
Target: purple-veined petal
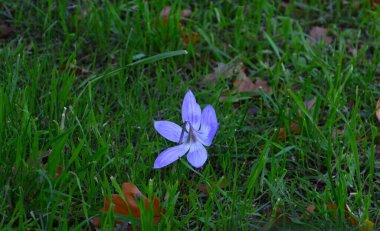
191	111
170	155
197	155
209	126
169	130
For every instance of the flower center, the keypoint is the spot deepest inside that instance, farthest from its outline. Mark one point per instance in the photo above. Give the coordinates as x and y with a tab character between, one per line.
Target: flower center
192	136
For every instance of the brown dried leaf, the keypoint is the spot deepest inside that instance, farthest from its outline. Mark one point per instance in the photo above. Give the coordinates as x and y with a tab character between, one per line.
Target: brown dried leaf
58	171
205	188
187	36
165	12
375	3
76	69
191	38
42	161
294	129
130	206
5	31
226	70
310	103
319	34
213	77
366	226
186	13
310	209
378	110
253	111
246	85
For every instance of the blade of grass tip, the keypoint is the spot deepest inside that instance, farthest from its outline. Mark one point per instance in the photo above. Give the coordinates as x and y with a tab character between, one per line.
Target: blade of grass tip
120	192
302	107
273	45
15	78
58	145
84	203
118	189
218	52
374	132
158	57
257	169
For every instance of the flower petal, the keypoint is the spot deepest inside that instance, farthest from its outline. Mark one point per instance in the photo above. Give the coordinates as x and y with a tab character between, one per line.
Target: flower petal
169	130
209	126
191	111
170	155
197	155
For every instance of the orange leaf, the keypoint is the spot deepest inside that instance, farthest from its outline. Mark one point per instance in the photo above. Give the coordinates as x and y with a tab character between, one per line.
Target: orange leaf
58	171
130	206
366	226
309	211
294	128
192	38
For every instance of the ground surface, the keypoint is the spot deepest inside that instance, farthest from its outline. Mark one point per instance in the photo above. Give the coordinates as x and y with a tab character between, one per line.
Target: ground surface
296	154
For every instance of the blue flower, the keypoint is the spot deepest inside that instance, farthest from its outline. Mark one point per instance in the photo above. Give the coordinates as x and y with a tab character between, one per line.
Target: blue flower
198	130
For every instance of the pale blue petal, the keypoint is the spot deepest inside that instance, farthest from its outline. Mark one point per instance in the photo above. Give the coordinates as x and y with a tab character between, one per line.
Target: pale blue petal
170	155
191	111
197	155
209	126
169	130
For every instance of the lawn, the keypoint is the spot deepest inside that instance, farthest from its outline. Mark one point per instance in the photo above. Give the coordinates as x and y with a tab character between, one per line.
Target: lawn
294	86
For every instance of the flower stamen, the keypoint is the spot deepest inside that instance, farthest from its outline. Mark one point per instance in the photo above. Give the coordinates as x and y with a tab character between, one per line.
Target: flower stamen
182	132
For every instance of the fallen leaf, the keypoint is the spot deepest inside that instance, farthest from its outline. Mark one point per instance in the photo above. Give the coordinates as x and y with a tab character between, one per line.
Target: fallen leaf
5	31
309	211
186	13
366	226
319	34
58	171
284	4
191	38
129	207
222	69
205	188
310	103
375	3
76	69
187	35
378	110
294	129
42	161
245	84
254	110
165	12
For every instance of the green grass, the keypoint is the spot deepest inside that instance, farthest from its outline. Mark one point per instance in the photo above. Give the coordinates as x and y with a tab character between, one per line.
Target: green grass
107	137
